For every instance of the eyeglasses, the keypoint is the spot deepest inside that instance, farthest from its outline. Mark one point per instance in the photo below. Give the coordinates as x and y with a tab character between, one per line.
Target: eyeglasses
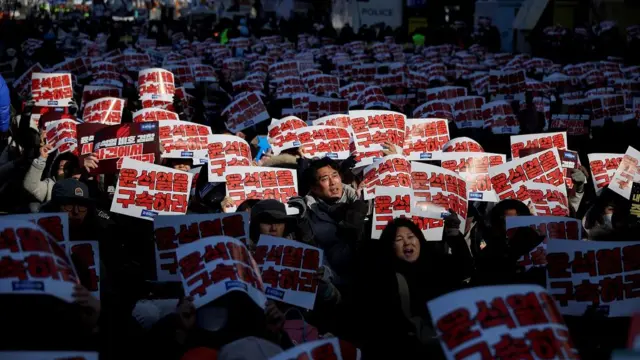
78	208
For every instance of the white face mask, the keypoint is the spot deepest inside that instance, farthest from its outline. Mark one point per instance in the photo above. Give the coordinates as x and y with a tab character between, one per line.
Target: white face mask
607	221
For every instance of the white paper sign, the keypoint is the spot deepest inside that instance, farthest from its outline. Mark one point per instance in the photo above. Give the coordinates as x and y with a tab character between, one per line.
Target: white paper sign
106	110
154	114
214	266
288	269
146	190
425	138
183	139
282	133
62	134
156	84
389	171
391	203
33	262
547	199
594	274
477	323
627	173
259	182
556	140
603	167
51	89
474	168
508	179
226	151
170	232
324	141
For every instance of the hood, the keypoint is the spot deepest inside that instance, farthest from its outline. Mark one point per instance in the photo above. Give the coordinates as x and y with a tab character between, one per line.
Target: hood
73	163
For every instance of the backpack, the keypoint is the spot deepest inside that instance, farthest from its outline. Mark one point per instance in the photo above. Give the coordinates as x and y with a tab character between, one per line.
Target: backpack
423	331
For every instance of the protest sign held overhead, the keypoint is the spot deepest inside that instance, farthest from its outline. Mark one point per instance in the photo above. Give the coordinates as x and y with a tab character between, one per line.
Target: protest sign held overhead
246	111
462	144
339	120
598	276
105	110
51	89
225	151
324	141
288	270
282	133
548	199
324	106
491	317
62	135
508	180
389	171
214	266
91	92
138	141
170	232
153	114
438	190
257	182
372	128
627	173
156	84
183	139
28	250
86	134
473	167
146	190
425	138
391	203
499	117
467	111
541	141
603	167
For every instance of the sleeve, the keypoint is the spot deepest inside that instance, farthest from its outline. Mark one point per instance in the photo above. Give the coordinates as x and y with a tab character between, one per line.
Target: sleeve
41	190
575	200
5	106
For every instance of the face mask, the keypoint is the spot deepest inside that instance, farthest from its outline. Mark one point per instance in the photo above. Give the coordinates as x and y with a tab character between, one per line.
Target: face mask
607	221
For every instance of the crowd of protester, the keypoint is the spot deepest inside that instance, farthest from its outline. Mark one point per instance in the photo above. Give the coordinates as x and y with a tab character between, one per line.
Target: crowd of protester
360	299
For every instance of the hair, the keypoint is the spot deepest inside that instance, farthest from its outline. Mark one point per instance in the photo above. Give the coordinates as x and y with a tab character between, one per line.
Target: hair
312	171
388	236
497	213
247	204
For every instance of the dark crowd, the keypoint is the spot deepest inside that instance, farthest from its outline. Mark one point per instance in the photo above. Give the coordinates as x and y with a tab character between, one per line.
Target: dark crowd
371	292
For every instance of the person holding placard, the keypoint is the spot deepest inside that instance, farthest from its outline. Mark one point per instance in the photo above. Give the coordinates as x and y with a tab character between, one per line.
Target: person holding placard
405	272
269	217
332	215
63	166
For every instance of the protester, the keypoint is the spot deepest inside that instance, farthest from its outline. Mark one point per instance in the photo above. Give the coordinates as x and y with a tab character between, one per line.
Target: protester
64	166
333	216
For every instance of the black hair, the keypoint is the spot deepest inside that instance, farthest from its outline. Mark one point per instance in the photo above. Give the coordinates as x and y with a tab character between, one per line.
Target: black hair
247	204
388	236
497	213
312	171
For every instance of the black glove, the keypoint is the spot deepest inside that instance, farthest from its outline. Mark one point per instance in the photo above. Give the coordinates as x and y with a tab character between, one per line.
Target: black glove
451	224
